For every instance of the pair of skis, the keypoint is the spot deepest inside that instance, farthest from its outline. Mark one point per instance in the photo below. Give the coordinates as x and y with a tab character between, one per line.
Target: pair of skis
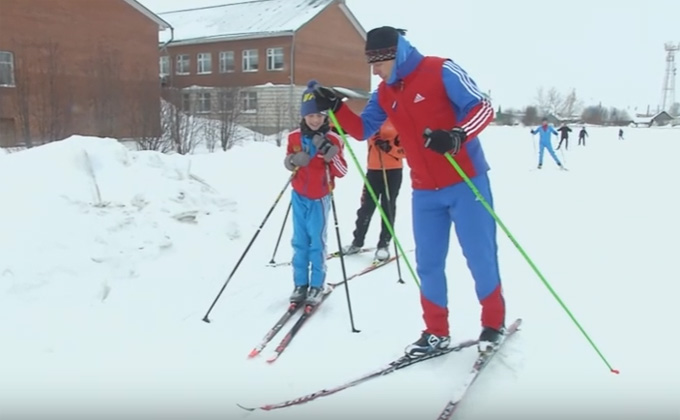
308	311
402	362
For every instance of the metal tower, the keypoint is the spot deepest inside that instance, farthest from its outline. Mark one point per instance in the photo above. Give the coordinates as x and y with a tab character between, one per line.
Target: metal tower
668	92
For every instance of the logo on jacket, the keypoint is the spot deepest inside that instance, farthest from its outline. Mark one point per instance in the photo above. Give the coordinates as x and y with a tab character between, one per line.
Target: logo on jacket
297	148
418	98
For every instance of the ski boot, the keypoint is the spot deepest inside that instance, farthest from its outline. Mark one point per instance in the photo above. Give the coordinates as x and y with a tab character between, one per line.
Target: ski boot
299	294
314	296
426	344
351	249
489	339
382	254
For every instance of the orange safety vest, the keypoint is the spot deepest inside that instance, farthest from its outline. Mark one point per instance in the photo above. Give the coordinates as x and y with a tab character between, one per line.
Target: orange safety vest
391	160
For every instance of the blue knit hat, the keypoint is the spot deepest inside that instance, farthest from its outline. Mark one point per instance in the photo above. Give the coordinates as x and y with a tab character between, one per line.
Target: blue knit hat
308	105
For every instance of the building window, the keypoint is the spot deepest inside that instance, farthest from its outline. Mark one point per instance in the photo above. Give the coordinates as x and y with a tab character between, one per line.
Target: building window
274	59
203	105
183	64
165	65
186	102
204	63
6	68
249	102
227	64
249	60
227	101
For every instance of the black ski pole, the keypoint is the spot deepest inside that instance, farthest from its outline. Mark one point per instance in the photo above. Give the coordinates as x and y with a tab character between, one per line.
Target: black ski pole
259	229
342	256
283	226
390	214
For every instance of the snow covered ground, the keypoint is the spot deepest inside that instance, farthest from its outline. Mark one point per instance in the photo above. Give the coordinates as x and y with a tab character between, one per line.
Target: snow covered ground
110	258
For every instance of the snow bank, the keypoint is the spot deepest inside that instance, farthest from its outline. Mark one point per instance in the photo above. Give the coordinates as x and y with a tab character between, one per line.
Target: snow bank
73	205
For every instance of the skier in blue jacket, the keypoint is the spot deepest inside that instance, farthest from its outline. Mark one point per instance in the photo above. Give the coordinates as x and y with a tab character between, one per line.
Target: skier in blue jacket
544	131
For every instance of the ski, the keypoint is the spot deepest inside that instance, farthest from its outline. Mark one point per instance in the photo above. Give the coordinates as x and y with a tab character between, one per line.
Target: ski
292	309
290	312
373	266
398	364
330	256
306	314
480	363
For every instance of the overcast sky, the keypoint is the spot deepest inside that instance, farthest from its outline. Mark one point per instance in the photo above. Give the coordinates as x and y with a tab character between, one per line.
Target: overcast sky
609	51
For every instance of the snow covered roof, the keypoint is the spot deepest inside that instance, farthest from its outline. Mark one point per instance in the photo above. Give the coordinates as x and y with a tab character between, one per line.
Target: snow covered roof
242	19
162	25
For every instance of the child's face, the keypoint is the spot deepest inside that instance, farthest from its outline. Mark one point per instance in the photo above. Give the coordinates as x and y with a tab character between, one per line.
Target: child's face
314	121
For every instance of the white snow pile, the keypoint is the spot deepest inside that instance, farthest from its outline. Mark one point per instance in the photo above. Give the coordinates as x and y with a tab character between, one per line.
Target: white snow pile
85	202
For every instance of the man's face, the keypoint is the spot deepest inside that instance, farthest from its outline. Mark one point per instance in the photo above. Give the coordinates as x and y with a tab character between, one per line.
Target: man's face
314	121
383	69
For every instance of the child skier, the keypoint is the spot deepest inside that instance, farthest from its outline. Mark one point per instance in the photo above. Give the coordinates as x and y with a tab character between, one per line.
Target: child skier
544	131
315	153
582	136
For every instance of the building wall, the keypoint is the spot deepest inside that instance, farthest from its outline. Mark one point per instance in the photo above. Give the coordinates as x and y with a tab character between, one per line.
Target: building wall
81	67
238	77
330	50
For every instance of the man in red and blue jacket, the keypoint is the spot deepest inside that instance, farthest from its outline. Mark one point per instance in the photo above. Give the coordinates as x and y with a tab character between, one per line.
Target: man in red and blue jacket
436	108
315	154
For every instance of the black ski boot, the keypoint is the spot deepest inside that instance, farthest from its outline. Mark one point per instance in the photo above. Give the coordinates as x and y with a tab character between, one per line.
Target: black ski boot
427	343
489	339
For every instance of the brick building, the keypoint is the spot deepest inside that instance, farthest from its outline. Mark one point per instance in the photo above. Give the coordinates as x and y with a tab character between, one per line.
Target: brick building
257	56
78	67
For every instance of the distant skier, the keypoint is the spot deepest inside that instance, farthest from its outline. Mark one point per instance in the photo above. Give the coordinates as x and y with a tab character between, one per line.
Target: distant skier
582	136
620	133
564	136
311	150
544	131
384	155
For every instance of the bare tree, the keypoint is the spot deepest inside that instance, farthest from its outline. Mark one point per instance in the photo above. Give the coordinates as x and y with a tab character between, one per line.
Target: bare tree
281	109
180	128
595	114
43	93
109	93
229	112
570	105
530	116
53	102
548	101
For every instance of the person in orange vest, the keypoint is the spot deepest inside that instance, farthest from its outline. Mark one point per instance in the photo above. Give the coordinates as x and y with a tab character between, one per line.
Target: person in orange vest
384	174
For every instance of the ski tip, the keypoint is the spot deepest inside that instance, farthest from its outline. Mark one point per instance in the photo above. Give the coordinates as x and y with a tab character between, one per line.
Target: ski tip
272	360
253	353
615	371
245	408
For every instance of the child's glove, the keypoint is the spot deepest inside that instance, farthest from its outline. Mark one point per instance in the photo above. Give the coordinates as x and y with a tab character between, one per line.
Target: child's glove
296	160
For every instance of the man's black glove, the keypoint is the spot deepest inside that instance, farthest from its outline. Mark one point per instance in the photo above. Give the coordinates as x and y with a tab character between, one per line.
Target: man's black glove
327	149
442	141
327	98
383	145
